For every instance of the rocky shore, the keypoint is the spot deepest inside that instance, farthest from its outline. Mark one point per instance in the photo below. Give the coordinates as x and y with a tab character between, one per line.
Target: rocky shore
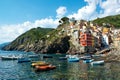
113	55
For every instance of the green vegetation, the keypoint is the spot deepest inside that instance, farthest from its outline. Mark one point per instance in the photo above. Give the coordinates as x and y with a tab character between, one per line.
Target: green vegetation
56	34
113	20
51	40
64	20
32	36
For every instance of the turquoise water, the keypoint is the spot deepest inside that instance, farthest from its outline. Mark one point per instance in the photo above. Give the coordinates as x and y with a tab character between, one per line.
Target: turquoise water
11	70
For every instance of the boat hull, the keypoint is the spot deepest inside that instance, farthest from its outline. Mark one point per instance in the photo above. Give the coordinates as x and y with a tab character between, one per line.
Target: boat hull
40	63
97	62
88	60
45	68
73	59
9	58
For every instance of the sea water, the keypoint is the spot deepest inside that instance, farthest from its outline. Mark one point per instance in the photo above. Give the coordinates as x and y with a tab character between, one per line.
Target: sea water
12	70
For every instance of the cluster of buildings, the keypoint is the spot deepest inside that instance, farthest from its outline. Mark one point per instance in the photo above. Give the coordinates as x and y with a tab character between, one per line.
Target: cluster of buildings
89	37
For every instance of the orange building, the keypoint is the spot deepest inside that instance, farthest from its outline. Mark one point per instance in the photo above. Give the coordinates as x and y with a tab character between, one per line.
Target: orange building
86	39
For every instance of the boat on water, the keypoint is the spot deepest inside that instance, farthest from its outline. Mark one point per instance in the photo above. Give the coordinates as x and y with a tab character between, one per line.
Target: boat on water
88	60
33	56
97	55
73	59
44	68
39	63
10	57
97	62
85	57
21	60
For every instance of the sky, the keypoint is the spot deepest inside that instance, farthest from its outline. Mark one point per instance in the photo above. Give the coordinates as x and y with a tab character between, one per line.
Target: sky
19	16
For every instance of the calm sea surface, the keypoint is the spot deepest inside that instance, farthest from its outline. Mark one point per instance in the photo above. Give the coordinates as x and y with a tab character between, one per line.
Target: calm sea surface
11	70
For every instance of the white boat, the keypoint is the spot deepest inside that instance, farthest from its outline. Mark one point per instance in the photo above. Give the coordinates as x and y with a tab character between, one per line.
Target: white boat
73	58
85	57
88	60
33	56
97	62
97	55
10	57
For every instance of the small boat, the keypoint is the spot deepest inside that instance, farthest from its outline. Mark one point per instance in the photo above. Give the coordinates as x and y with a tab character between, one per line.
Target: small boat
21	60
97	62
33	56
88	60
97	55
85	57
47	56
73	59
39	63
10	57
72	56
45	68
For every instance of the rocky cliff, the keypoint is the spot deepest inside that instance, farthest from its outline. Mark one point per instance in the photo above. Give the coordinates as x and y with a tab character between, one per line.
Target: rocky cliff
42	40
47	40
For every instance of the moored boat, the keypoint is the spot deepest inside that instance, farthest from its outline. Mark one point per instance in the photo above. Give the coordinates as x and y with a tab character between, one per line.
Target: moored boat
10	57
44	68
97	55
88	60
73	59
97	62
39	63
33	56
85	57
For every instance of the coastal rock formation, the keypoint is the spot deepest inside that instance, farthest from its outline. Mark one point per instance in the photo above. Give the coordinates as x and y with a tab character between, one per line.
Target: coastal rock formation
66	38
42	40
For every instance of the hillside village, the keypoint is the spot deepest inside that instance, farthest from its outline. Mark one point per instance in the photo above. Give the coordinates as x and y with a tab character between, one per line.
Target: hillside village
89	37
71	36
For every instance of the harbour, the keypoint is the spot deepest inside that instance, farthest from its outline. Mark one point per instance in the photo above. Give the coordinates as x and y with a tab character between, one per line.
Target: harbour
12	70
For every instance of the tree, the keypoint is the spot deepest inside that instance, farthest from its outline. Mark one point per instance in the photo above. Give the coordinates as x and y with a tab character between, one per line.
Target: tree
65	19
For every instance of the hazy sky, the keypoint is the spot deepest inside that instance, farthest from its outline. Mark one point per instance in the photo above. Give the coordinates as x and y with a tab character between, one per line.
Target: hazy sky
18	16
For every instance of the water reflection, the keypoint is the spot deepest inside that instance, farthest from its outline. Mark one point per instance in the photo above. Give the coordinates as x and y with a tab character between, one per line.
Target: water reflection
65	70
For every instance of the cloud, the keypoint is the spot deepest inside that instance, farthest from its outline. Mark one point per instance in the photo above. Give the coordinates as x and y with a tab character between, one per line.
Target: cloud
61	11
47	22
90	12
118	10
10	32
86	11
110	7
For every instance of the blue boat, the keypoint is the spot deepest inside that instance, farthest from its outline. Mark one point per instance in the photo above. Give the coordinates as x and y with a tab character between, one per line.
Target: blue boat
88	60
21	60
73	59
